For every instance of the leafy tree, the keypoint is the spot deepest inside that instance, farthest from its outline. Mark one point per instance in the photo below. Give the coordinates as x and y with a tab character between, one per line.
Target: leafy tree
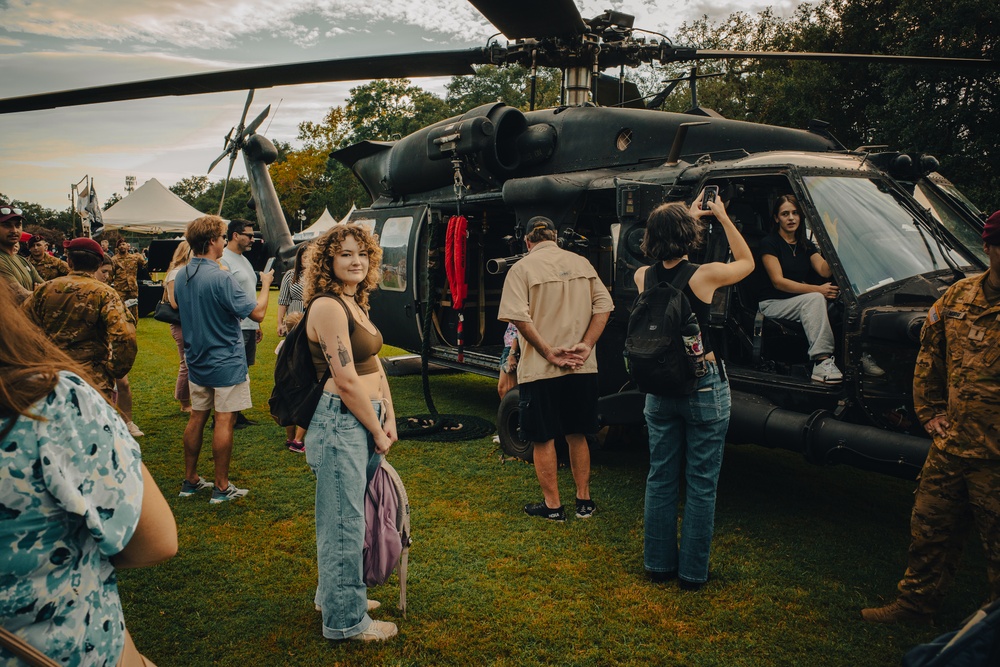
111	201
511	85
389	109
190	188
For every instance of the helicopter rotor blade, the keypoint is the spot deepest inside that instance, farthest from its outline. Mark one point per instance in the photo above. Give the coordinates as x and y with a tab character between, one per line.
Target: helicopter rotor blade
225	184
520	19
246	109
682	54
219	159
409	65
255	123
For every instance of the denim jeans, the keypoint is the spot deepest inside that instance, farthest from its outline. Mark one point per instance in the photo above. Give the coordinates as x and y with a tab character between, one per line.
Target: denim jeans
689	427
341	453
810	311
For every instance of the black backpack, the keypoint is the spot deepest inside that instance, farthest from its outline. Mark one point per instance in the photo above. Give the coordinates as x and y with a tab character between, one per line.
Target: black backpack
654	350
296	390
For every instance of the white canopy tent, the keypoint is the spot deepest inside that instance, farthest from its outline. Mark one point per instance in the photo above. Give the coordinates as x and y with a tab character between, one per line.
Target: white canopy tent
325	222
151	209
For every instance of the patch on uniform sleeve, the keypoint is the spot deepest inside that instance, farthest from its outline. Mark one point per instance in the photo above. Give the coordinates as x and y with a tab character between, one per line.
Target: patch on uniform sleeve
933	315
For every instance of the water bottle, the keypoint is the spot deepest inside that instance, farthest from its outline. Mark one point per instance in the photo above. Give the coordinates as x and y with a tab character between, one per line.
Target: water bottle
691	335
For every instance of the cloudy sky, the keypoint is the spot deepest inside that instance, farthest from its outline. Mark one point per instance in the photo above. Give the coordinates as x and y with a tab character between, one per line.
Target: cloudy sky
51	45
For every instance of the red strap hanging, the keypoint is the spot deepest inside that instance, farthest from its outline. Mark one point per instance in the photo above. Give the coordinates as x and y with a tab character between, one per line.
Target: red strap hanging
454	264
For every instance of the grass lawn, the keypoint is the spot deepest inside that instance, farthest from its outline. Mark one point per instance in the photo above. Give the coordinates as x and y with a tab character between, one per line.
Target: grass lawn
798	551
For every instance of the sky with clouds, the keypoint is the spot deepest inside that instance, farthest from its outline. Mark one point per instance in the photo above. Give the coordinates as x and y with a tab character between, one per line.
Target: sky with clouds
51	45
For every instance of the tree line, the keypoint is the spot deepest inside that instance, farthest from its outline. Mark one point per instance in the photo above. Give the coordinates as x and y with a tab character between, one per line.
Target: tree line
947	112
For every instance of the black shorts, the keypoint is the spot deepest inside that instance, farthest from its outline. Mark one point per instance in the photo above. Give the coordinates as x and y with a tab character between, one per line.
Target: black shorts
553	407
250	345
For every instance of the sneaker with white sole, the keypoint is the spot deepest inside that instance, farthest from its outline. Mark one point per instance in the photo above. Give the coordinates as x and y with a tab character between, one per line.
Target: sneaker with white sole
377	631
826	371
585	508
870	368
229	493
189	489
133	430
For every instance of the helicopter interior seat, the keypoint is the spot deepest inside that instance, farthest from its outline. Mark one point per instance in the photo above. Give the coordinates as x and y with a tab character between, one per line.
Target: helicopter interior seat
756	328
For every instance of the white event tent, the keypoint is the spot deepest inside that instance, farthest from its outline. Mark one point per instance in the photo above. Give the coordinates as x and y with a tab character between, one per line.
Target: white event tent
325	222
151	209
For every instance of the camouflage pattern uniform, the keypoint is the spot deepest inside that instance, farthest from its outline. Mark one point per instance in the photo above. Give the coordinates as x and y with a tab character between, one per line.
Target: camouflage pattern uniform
124	279
50	267
957	376
88	320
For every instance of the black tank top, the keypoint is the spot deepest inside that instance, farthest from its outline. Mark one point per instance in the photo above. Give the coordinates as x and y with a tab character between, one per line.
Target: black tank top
701	309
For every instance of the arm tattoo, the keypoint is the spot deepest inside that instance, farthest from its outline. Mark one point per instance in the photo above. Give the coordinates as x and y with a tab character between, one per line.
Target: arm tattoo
329	359
345	356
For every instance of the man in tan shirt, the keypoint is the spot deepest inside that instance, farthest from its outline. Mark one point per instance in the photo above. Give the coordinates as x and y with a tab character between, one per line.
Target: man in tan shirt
560	307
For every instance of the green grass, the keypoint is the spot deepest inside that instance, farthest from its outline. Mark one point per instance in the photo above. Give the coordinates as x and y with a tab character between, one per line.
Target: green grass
798	551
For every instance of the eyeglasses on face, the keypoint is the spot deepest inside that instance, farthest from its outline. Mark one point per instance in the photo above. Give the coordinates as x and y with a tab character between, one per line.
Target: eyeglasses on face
7	210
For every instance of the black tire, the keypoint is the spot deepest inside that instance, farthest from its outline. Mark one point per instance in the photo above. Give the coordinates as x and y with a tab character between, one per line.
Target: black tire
510	437
507	419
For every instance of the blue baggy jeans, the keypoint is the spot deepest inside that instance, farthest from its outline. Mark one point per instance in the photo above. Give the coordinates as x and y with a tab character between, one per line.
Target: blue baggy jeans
691	427
341	453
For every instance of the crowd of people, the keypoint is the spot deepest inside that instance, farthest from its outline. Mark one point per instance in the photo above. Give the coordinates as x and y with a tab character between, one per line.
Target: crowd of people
70	341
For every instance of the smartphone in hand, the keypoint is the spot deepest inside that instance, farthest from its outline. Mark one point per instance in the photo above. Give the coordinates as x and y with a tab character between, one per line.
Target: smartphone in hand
710	195
270	263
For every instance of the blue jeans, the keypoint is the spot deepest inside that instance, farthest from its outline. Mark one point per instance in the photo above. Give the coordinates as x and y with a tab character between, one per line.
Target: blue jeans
691	427
341	453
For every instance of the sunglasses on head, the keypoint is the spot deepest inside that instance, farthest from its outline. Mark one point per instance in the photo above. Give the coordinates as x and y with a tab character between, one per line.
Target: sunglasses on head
7	210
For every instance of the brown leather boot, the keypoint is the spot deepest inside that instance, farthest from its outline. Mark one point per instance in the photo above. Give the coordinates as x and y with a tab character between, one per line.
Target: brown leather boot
895	612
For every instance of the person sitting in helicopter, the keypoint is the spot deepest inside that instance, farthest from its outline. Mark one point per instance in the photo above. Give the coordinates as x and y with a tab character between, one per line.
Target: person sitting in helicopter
789	259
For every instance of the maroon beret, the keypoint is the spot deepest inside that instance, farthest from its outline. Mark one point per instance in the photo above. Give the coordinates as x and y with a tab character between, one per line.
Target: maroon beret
85	244
991	231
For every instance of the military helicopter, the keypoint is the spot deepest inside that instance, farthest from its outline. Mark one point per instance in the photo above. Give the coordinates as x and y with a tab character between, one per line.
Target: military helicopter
895	233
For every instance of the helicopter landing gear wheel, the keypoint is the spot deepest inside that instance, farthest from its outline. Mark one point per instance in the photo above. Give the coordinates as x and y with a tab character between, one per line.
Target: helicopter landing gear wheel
510	438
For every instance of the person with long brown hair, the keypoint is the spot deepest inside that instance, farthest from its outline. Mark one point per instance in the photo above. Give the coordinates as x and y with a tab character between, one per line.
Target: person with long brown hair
78	503
182	392
354	424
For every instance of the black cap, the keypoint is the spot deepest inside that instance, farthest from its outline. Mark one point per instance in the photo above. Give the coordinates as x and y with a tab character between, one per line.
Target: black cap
541	222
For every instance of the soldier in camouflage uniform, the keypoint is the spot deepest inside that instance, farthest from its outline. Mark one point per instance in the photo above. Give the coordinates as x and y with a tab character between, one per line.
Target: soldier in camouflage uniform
86	318
125	279
956	393
48	267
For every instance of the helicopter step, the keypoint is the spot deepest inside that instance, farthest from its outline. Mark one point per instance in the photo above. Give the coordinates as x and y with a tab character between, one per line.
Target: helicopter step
485	358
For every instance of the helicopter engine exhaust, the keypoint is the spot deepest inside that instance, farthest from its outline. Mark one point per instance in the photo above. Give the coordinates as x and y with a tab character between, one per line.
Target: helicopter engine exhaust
824	439
499	265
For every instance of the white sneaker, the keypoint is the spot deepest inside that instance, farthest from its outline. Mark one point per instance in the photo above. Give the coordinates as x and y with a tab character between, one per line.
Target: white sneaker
826	371
377	631
869	366
134	431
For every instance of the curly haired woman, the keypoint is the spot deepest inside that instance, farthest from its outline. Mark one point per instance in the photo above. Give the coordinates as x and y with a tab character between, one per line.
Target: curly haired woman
354	424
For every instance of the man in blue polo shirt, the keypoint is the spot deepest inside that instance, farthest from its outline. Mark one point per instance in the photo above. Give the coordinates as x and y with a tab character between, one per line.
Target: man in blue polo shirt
212	304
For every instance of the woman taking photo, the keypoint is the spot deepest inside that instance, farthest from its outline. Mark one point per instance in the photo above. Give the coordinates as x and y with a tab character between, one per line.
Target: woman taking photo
290	309
182	392
78	503
353	426
690	428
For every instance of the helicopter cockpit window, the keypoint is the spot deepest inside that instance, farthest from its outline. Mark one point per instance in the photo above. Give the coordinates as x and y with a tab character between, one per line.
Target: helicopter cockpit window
395	240
877	239
933	201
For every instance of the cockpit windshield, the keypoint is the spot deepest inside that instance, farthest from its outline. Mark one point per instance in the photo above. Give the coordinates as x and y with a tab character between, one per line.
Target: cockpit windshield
878	240
941	205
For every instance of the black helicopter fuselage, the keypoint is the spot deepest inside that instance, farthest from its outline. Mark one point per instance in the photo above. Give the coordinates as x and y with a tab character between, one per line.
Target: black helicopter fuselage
598	172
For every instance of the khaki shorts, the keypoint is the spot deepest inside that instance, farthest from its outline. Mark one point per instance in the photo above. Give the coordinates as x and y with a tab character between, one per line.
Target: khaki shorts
223	399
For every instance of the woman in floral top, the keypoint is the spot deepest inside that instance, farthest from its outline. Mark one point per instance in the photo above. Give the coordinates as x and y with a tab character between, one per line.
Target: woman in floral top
76	502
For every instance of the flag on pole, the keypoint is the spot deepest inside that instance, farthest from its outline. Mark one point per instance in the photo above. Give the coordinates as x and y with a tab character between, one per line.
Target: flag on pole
93	212
82	196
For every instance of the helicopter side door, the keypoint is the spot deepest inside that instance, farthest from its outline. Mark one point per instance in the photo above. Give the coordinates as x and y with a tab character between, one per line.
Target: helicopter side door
395	304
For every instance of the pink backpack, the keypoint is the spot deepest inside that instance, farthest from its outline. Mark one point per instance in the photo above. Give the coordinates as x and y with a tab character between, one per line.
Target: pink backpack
387	529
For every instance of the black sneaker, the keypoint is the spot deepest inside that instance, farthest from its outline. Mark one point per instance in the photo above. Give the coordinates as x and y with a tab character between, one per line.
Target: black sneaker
585	508
546	512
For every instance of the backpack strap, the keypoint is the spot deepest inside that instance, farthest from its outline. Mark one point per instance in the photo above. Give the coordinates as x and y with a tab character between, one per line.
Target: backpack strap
685	271
338	299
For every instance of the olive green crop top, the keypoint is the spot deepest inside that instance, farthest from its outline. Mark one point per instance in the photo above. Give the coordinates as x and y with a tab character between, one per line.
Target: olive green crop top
364	347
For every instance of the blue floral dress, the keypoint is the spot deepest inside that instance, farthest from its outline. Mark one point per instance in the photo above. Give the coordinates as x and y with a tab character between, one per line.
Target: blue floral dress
70	496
